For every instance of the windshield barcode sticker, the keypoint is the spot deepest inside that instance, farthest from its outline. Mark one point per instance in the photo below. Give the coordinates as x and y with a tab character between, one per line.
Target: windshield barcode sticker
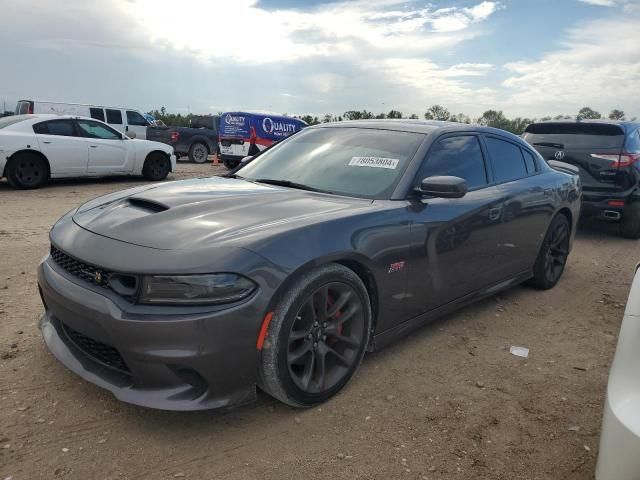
376	162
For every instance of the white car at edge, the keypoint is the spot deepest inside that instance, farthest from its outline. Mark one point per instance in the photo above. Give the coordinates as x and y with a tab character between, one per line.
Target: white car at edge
35	148
619	455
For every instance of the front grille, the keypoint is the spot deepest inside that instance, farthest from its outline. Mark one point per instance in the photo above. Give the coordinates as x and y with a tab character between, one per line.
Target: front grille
126	285
99	351
86	272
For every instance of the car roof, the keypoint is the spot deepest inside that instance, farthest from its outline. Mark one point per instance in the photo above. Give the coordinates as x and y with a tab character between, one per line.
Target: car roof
418	126
626	125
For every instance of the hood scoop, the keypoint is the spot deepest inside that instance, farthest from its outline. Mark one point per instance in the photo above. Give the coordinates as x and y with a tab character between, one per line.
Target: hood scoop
147	205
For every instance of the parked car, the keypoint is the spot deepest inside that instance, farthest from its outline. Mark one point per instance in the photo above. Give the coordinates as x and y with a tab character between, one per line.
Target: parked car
619	454
244	134
197	141
342	237
35	148
126	120
607	154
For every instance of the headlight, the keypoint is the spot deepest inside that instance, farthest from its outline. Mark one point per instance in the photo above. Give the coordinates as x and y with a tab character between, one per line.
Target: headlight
210	289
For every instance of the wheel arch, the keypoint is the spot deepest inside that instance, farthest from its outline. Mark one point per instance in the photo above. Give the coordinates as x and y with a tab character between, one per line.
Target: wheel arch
566	211
354	262
16	154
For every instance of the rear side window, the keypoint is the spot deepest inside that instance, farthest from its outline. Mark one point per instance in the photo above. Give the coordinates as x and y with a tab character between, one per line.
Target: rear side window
114	116
134	118
459	156
97	113
529	161
574	135
62	128
507	160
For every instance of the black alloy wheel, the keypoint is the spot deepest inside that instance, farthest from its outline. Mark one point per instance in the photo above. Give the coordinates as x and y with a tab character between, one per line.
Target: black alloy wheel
317	336
325	338
553	254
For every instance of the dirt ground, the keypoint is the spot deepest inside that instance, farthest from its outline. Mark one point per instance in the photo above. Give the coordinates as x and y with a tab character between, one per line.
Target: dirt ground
449	401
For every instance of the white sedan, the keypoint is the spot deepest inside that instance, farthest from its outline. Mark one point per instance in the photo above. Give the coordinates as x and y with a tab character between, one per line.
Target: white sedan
619	456
35	148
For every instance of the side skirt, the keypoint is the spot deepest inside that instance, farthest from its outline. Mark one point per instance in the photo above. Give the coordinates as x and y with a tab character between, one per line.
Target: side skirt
382	339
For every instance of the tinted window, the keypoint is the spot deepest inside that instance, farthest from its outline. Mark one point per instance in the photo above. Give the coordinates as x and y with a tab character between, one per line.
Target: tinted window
98	130
361	162
506	158
56	127
97	113
530	161
575	135
459	156
114	116
134	118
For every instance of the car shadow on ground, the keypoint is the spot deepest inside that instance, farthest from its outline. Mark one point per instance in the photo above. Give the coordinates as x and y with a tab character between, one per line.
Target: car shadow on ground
598	230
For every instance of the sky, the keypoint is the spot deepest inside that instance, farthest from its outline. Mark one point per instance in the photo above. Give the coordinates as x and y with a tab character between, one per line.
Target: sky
526	57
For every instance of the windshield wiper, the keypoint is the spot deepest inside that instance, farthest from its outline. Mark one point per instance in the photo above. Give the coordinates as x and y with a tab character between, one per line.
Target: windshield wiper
287	183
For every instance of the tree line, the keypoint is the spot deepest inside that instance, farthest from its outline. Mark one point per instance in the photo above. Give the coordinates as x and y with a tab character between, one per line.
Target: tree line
490	118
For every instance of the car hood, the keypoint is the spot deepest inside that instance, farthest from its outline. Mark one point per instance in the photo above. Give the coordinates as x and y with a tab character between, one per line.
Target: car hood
204	212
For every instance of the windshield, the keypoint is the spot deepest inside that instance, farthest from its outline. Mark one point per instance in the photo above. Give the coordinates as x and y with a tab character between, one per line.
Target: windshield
348	161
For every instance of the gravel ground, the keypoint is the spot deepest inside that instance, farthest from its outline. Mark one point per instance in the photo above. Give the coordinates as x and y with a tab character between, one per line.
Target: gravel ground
449	401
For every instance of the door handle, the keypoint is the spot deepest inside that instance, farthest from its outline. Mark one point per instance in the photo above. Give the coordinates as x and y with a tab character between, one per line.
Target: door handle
548	191
494	213
93	146
47	143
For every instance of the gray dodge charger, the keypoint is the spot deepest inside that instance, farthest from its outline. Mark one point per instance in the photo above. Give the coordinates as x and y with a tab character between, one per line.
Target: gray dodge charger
188	295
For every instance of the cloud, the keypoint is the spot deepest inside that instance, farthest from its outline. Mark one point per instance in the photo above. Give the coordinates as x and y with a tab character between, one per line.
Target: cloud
372	54
245	32
598	65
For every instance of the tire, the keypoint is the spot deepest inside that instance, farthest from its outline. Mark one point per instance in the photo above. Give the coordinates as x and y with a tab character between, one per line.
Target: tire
231	164
198	153
630	223
553	254
156	167
301	337
28	171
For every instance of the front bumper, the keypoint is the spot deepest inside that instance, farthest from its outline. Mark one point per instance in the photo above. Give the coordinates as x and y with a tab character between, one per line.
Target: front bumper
180	361
173	160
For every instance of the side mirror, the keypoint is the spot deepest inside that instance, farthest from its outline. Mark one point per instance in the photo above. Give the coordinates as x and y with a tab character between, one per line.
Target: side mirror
246	159
131	135
443	187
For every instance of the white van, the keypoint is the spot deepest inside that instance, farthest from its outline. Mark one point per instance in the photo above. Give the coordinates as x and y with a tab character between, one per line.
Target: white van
130	122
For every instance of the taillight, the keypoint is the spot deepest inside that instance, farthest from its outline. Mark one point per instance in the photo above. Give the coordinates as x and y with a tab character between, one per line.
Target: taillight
618	161
175	136
30	109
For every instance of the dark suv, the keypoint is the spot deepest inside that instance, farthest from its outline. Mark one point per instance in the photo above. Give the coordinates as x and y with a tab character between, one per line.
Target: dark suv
607	153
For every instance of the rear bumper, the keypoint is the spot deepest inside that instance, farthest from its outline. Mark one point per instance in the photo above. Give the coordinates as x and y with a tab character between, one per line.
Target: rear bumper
171	362
599	204
173	160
